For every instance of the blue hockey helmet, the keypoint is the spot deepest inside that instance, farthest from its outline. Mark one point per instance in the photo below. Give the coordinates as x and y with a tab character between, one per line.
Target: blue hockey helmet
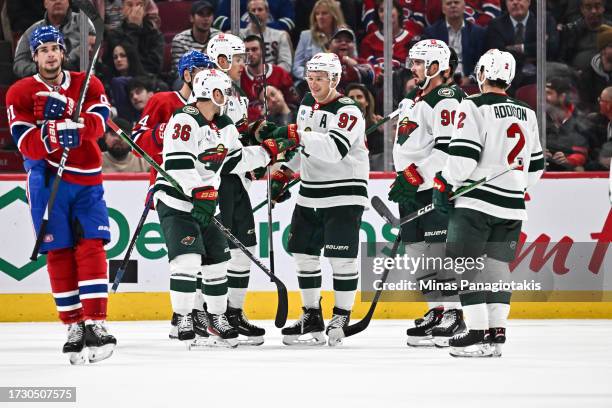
193	59
46	34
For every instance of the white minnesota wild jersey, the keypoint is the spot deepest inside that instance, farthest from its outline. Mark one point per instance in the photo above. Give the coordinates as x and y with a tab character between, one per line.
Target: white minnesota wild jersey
424	128
237	108
491	131
333	158
196	152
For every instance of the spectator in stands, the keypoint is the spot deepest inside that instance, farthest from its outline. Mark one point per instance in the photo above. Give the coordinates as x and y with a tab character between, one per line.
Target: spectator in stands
58	14
280	15
125	66
598	75
325	18
196	37
23	13
140	91
579	38
278	48
251	80
414	12
117	157
110	11
139	31
349	9
372	46
604	156
375	140
515	32
354	68
278	110
131	94
600	129
479	12
466	38
566	139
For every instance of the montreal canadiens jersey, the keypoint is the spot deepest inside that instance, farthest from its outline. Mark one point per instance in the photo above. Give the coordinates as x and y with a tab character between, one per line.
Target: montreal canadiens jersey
424	128
84	165
157	112
196	152
492	131
333	159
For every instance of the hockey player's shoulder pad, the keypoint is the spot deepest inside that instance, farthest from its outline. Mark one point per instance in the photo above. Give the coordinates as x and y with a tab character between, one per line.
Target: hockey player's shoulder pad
308	99
192	112
440	93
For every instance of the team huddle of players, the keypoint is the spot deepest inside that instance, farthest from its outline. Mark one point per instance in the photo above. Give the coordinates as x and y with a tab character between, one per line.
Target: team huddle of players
201	137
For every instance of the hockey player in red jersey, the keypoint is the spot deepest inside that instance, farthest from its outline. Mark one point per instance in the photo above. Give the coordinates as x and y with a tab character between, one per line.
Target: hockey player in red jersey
148	134
39	110
148	131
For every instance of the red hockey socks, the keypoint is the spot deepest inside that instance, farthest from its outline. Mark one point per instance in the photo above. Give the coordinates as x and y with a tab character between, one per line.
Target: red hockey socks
64	285
92	276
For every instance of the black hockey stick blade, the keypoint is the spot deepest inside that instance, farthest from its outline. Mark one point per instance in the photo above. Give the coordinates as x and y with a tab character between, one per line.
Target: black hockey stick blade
385	213
92	13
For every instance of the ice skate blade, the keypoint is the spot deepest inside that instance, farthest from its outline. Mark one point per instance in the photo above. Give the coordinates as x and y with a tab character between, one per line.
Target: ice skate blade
335	336
497	350
78	358
476	350
441	342
251	341
414	341
216	341
100	353
173	335
316	339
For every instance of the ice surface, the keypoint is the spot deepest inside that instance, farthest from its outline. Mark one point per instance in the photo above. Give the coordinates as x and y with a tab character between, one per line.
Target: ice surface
546	363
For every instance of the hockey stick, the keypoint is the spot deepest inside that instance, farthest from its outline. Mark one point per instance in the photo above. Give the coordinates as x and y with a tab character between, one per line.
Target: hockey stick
128	254
369	130
283	302
257	23
380	207
90	11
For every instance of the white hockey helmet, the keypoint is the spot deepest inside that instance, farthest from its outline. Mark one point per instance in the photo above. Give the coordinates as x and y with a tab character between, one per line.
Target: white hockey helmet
430	51
326	62
496	65
224	44
206	81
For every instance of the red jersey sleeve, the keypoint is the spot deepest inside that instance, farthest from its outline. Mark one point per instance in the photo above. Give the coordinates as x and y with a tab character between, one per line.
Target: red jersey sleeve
95	111
24	130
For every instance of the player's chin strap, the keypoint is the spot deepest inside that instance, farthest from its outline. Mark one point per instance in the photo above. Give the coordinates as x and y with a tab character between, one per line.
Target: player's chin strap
428	78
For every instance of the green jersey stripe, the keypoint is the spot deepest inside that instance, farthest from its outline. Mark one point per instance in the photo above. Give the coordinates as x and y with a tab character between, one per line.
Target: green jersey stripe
171	191
496	199
179	164
467	141
342	149
536	165
464	151
333	191
341	136
173	154
318	183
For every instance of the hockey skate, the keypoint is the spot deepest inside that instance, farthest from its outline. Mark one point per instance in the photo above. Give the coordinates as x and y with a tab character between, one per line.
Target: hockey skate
174	327
222	334
185	331
420	335
75	345
200	322
254	335
452	323
497	337
470	343
99	342
311	323
338	322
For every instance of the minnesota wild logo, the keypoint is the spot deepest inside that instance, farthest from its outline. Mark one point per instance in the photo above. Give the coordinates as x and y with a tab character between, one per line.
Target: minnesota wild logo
405	129
213	157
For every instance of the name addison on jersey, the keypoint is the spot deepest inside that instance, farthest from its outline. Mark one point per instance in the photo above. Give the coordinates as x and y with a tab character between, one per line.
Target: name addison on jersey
462	284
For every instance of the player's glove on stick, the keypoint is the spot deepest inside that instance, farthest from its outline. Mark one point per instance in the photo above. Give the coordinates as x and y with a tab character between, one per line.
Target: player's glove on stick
276	146
279	190
52	105
406	184
282	132
441	194
204	204
61	133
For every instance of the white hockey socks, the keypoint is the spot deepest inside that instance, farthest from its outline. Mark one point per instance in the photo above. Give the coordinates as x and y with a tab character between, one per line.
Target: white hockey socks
309	279
346	278
214	287
238	274
184	269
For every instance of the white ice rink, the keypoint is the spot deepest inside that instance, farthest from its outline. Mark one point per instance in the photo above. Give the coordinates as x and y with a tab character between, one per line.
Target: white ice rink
546	363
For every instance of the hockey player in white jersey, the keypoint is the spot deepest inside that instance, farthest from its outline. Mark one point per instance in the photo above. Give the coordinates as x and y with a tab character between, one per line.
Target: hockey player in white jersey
228	53
423	132
199	144
334	168
491	132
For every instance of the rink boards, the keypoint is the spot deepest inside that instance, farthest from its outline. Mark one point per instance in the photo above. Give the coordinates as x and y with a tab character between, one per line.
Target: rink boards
573	209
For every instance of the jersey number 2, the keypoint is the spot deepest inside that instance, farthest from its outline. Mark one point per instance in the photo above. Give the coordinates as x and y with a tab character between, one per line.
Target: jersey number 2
184	132
513	131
